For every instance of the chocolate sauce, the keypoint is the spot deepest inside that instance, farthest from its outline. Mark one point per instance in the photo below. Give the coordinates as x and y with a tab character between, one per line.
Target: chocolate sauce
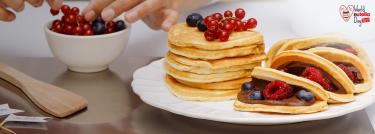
259	84
354	70
297	68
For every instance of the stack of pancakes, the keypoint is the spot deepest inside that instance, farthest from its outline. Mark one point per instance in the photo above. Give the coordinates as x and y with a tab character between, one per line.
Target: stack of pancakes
201	70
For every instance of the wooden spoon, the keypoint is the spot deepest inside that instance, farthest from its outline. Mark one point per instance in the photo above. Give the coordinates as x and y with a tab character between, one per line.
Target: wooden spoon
51	99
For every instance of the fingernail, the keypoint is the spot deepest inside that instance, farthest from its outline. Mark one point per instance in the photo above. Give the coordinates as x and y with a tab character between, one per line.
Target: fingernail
90	15
166	26
108	14
131	17
20	8
57	4
11	17
38	4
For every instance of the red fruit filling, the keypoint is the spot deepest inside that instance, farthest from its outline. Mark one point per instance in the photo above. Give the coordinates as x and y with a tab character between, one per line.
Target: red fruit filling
351	50
315	75
277	90
348	72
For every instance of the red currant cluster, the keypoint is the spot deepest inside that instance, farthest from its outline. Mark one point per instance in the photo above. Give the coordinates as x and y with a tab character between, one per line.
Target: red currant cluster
72	23
218	26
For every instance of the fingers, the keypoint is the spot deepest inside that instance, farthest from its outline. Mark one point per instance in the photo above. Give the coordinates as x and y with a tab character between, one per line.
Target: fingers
170	19
35	3
94	8
16	5
143	9
6	15
118	7
55	4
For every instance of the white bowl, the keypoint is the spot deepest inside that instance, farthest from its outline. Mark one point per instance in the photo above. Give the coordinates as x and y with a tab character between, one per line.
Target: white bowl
87	53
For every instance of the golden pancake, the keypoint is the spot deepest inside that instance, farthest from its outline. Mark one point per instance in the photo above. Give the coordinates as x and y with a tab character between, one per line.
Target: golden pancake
195	53
203	70
337	75
206	78
334	41
197	94
340	56
185	36
219	63
268	74
273	51
225	85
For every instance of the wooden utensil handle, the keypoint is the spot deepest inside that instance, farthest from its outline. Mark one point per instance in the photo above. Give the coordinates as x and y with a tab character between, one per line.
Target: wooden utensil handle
13	76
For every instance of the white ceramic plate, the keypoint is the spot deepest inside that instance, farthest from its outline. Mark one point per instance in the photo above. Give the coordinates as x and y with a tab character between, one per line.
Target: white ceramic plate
149	84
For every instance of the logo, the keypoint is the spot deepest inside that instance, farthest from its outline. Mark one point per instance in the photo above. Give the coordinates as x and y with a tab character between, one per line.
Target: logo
357	12
346	12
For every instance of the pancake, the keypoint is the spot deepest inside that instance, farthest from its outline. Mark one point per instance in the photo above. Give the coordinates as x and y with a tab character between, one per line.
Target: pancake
185	36
194	53
219	63
338	76
225	85
204	70
334	41
207	78
342	57
197	94
273	51
268	74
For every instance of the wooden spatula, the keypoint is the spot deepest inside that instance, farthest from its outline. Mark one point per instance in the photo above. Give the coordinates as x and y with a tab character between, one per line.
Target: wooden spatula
51	99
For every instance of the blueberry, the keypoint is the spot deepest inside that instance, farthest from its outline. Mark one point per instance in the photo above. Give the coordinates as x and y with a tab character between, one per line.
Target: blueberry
201	26
256	95
246	86
120	25
98	28
98	20
304	95
193	18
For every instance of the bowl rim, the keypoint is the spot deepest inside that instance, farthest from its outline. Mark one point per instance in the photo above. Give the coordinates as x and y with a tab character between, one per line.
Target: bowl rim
48	24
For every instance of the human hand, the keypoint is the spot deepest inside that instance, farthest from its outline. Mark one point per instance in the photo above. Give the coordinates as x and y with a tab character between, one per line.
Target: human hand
155	13
19	5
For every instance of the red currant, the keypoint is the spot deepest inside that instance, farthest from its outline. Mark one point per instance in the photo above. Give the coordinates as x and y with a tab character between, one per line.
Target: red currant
208	19
209	35
244	26
57	28
54	12
71	19
86	26
228	13
74	11
55	22
68	29
228	27
78	30
110	30
65	9
237	25
88	32
212	25
217	16
251	23
224	35
110	24
240	13
81	19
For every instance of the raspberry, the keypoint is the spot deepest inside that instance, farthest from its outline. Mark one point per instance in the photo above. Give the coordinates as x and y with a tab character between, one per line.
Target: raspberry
351	50
315	75
347	72
277	90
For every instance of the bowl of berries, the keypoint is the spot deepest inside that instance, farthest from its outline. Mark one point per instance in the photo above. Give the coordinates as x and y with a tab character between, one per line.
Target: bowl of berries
85	46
